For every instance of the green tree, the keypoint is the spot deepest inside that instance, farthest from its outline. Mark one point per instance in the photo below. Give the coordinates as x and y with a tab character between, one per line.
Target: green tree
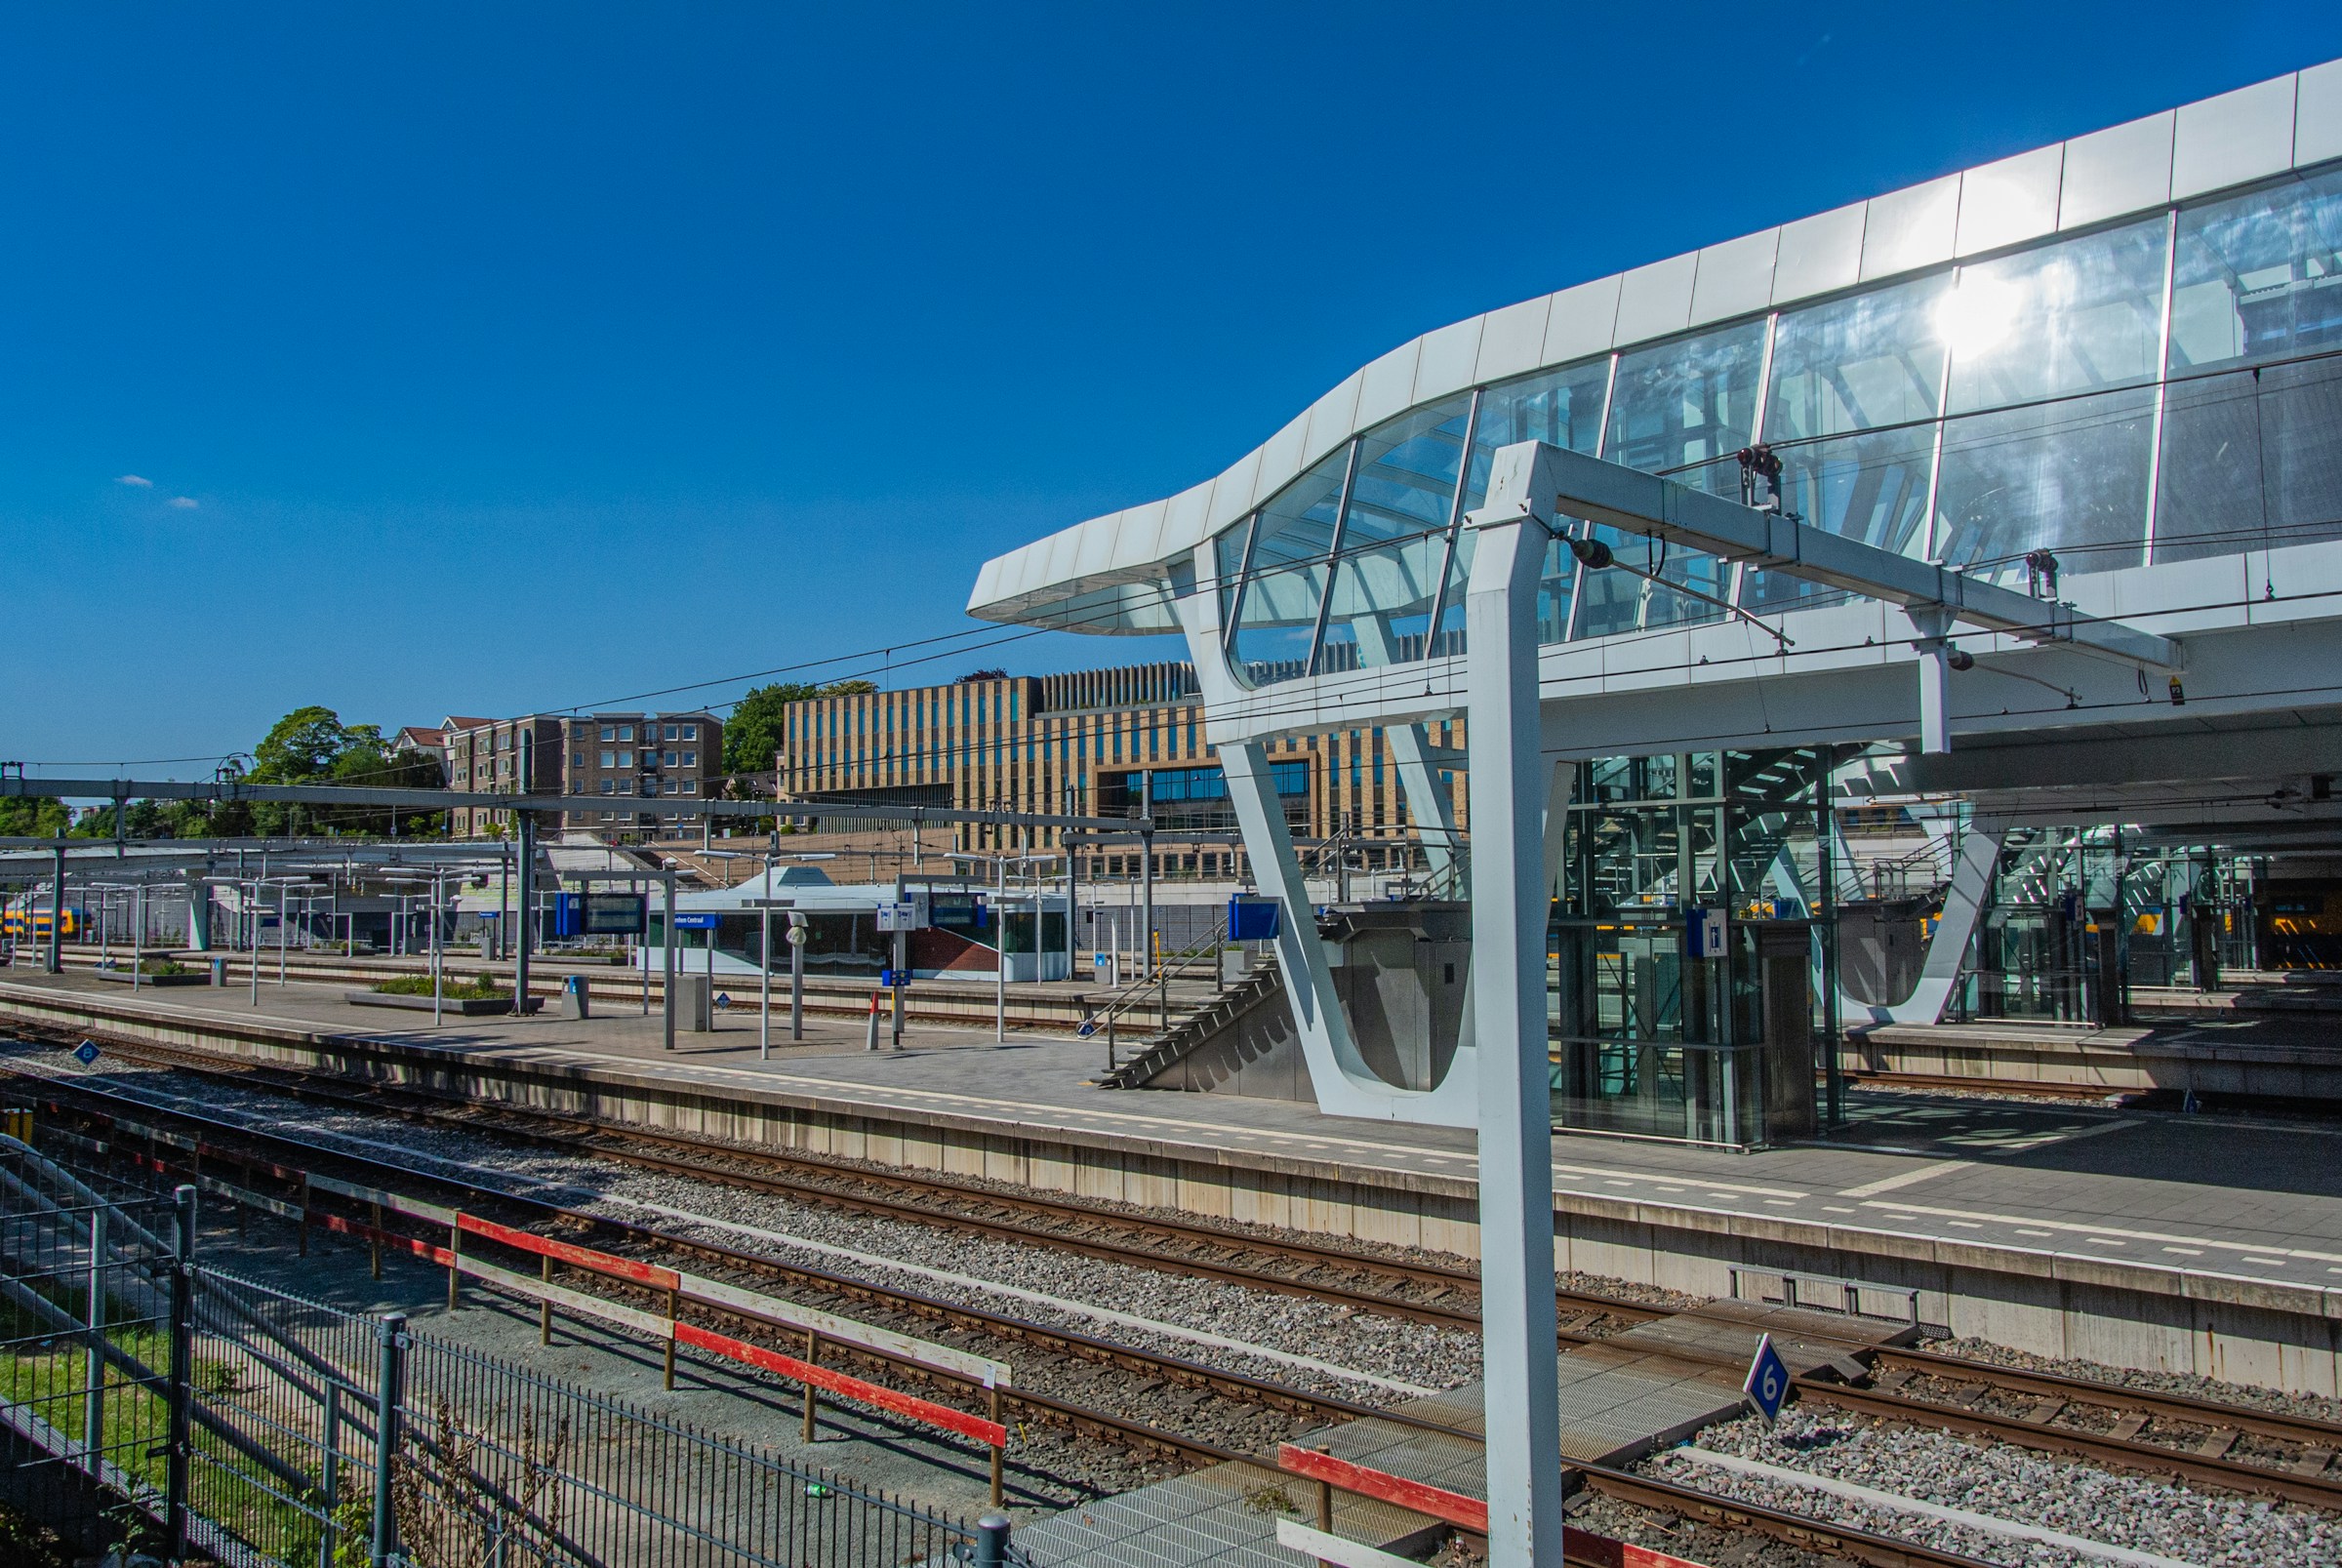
304	744
147	819
312	746
32	816
753	734
759	724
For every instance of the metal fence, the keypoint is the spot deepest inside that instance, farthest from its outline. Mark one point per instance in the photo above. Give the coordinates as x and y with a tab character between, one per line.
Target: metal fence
144	1394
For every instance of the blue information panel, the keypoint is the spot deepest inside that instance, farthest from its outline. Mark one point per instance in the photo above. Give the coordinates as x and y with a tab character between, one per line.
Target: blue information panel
1252	917
1768	1379
695	922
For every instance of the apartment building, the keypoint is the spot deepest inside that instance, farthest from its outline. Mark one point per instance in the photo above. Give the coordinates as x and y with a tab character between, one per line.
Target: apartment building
1095	742
620	761
498	756
617	760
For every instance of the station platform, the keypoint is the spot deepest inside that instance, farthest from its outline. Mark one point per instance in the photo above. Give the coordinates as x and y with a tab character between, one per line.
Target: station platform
1651	1387
2209	1043
2207	1244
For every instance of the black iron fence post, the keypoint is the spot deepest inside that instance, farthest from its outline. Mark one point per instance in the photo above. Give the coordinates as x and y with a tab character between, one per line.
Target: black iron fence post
182	1356
389	1392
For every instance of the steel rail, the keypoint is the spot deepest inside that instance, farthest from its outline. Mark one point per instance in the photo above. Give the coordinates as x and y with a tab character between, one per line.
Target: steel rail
2119	1453
603	1139
1068	1342
2123	1453
2306	1430
1796	1529
1877	1551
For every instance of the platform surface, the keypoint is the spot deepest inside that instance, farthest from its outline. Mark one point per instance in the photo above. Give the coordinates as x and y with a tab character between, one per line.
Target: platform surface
2245	1200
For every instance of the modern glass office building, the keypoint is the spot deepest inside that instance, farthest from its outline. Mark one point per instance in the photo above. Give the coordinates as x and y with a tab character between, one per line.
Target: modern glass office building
2105	372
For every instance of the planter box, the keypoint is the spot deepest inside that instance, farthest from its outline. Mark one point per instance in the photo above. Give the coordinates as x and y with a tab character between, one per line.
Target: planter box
121	977
475	1007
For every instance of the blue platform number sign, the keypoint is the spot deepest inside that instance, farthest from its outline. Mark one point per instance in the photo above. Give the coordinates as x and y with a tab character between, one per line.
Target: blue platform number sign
1703	933
86	1052
723	999
1768	1379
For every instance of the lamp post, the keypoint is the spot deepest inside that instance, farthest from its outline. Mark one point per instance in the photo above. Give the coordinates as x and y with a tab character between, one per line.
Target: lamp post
764	978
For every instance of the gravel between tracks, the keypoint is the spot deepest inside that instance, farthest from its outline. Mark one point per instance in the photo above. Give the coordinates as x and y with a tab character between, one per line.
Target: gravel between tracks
2136	1511
1390	1347
2314	1407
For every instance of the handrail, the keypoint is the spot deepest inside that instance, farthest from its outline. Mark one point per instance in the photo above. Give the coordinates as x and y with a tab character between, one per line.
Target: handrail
1121	1000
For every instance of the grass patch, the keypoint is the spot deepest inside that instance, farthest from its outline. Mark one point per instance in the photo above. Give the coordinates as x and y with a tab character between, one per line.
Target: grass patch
47	1374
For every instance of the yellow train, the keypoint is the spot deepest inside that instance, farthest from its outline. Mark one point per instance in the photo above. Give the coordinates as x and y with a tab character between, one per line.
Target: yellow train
20	925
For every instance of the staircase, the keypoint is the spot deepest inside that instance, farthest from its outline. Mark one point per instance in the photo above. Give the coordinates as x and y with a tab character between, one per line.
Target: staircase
1196	1027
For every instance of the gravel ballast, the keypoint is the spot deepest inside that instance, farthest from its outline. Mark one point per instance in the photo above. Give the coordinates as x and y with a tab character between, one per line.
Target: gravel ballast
2136	1511
1420	1355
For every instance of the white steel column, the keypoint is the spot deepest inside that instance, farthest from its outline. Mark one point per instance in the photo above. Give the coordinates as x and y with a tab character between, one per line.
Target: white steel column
1344	1084
1510	902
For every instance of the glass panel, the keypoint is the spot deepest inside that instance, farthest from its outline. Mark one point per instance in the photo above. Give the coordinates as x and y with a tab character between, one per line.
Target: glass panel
2254	458
2251	461
2075	482
1395	537
2042	327
2075	317
1677	409
1227	562
1562	407
1279	608
1841	371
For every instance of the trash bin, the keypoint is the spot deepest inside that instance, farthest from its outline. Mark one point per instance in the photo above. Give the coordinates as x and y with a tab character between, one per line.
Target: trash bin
576	1000
220	972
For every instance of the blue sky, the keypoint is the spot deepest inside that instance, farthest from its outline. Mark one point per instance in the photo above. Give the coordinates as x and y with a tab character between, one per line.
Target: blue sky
495	358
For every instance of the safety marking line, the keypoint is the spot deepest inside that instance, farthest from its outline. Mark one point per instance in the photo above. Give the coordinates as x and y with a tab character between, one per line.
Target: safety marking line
1910	1178
2105	1235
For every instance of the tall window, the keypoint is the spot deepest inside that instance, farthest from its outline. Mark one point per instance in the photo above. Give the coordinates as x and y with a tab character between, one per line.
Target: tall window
2252	427
2052	408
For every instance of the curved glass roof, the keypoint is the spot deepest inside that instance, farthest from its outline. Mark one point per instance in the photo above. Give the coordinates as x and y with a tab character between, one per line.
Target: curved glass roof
2009	359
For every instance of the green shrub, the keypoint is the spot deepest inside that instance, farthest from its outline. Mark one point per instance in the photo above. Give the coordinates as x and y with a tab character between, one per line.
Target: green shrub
455	988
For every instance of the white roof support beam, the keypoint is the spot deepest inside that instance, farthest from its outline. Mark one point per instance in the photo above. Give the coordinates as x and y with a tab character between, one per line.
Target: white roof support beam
1550	484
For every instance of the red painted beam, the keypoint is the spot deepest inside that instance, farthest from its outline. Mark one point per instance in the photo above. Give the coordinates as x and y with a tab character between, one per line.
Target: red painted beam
1464	1513
924	1411
604	1262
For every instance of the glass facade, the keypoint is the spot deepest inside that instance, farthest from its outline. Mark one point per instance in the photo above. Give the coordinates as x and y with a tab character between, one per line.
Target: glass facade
2157	390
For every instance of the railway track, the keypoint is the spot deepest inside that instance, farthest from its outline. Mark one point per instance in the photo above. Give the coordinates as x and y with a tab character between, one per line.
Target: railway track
255	1153
1423	1291
2232	1446
2223	1445
1877	1551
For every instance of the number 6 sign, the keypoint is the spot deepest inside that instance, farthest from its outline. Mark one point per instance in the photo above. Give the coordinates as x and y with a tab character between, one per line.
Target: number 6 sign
1768	1379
